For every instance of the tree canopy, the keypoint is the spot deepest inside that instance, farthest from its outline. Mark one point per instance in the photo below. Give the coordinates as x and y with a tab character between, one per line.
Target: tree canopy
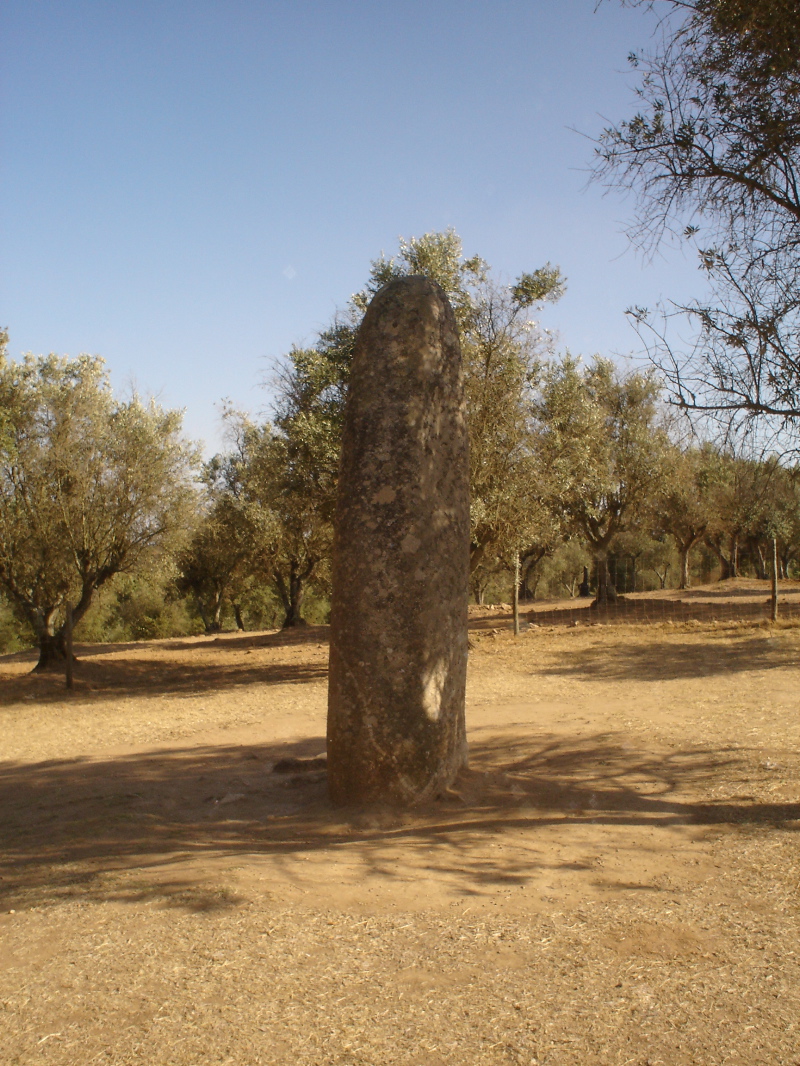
601	436
713	152
289	467
89	485
502	349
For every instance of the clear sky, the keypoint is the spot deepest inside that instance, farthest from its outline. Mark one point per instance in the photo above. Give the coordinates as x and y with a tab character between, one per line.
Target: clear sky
189	188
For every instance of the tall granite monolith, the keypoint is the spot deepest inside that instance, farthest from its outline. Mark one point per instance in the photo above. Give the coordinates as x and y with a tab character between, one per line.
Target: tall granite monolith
398	659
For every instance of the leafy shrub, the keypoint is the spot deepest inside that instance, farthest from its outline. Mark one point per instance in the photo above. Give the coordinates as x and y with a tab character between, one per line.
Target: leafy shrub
14	635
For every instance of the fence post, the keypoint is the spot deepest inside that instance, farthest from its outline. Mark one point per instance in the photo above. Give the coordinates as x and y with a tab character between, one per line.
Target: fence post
68	647
516	594
774	579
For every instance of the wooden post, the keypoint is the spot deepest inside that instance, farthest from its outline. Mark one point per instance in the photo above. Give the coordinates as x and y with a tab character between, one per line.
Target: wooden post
516	594
774	579
68	647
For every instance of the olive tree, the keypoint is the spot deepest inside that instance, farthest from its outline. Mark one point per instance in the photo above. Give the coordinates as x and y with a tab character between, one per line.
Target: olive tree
279	492
750	506
213	565
601	437
713	152
90	485
684	506
503	349
290	469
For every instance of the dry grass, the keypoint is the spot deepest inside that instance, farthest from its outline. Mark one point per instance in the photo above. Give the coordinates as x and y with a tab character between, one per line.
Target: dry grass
615	880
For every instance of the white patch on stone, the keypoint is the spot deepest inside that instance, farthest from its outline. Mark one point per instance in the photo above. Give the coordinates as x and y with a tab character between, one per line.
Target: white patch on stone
386	495
433	690
410	543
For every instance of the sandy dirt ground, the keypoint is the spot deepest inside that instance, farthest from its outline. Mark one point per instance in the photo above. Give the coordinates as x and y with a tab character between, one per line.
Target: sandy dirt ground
614	880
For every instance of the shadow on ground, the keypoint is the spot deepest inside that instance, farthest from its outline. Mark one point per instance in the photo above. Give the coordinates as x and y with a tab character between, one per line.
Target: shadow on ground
629	611
193	667
661	660
80	828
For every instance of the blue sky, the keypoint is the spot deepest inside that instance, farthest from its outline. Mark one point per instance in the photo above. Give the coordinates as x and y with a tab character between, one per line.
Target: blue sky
188	189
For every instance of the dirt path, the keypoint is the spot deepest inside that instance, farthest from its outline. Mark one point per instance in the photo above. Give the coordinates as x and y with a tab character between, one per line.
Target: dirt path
615	880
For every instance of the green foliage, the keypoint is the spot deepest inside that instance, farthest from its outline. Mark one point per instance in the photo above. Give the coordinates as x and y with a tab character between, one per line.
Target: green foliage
138	606
683	507
560	574
280	486
90	486
502	350
546	283
752	501
600	434
14	634
260	607
434	255
643	562
281	478
214	565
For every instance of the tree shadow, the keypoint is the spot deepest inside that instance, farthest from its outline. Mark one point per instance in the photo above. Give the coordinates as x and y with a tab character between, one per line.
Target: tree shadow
737	593
272	638
627	611
94	828
669	661
98	674
235	641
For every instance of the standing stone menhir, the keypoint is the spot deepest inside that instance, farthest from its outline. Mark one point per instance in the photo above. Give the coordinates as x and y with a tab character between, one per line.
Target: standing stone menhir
396	730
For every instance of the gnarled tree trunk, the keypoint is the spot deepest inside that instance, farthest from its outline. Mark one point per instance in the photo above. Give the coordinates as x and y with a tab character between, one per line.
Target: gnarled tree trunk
729	562
52	647
606	592
293	592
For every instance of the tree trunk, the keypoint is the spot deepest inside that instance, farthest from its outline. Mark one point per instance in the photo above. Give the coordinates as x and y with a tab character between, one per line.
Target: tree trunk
786	556
294	615
479	591
218	614
634	560
292	596
774	569
527	590
237	614
726	564
49	636
203	616
685	571
516	594
584	591
606	593
529	562
68	648
52	649
760	563
735	555
685	541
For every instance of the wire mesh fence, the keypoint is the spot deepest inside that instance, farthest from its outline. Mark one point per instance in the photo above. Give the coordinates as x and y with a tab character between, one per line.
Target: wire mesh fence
740	600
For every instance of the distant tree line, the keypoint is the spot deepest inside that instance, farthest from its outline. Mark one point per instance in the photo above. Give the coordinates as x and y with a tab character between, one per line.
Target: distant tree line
105	509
